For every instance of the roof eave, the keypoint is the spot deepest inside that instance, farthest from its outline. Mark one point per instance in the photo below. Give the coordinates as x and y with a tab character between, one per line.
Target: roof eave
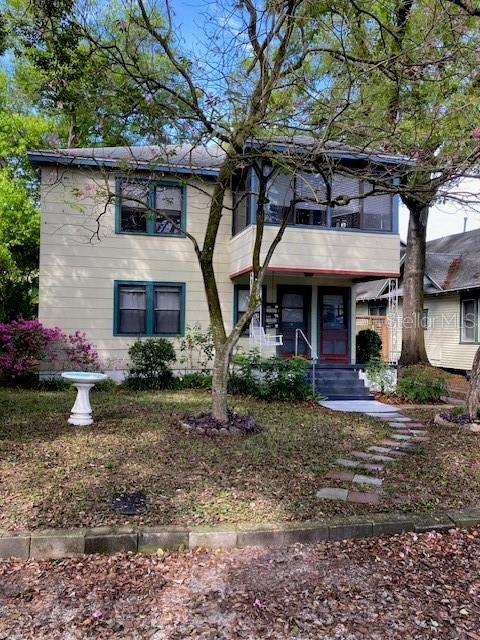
39	159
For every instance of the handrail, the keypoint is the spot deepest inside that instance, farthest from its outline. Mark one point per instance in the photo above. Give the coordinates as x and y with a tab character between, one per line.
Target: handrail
313	353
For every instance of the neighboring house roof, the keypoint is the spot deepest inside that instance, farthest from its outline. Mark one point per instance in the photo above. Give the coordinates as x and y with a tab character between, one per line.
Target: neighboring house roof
452	264
203	160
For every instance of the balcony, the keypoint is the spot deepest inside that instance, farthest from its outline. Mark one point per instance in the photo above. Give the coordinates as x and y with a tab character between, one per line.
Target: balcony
317	250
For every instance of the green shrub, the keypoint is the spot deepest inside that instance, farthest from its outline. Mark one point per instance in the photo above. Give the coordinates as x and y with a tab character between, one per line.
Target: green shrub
196	380
380	376
421	384
105	385
369	346
272	378
149	368
53	383
196	347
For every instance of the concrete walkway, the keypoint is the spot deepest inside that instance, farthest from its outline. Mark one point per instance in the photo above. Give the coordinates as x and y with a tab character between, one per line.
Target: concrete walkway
358	406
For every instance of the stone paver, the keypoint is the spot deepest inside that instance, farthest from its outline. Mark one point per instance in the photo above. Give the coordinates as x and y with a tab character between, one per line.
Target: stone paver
336	474
395	444
361	479
356	464
332	493
406	437
371	457
364	497
386	451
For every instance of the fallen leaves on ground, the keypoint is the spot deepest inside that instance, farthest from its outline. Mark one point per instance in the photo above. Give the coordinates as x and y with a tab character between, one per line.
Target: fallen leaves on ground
405	587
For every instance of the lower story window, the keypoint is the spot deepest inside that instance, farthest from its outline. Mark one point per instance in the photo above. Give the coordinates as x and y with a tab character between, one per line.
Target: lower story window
242	296
149	308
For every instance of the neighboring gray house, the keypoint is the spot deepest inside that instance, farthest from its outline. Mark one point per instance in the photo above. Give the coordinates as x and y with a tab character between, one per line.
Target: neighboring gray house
452	300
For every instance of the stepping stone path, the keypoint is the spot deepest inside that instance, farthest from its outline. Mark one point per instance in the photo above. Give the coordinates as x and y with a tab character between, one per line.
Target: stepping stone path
406	437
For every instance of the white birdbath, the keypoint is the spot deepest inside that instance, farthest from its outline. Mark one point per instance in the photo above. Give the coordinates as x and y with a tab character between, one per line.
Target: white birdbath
81	415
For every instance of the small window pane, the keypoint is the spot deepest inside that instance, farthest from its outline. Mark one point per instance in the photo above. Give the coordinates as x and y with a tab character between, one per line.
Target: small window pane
469	320
347	214
377	211
132	310
242	300
280	195
168	201
134	206
312	210
167	310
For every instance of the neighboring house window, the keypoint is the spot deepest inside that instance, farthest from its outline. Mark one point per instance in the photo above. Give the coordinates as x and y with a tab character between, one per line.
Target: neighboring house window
150	207
149	308
425	320
242	295
377	308
469	315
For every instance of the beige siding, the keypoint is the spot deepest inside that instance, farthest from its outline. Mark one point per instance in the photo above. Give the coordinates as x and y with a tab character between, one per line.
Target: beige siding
77	270
345	252
442	338
80	261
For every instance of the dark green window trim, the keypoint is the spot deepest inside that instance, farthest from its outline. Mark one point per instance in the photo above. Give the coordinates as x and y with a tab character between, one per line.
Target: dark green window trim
246	287
151	203
149	286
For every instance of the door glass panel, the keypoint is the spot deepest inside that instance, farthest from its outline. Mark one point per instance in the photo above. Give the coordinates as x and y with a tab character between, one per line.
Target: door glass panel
333	314
292	308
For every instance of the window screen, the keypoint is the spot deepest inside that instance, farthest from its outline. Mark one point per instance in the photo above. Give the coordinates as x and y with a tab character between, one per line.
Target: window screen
469	320
134	206
280	195
167	310
132	310
168	202
347	214
312	210
377	211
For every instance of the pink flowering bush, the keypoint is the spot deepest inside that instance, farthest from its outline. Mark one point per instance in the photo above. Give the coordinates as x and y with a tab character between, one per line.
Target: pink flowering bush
25	343
80	352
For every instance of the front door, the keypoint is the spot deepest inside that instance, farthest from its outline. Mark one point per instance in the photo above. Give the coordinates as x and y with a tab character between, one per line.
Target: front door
334	319
294	313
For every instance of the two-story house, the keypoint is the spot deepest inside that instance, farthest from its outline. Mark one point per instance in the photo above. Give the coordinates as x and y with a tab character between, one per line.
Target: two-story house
111	270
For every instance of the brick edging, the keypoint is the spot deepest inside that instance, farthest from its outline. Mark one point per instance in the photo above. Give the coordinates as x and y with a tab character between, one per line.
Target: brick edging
64	543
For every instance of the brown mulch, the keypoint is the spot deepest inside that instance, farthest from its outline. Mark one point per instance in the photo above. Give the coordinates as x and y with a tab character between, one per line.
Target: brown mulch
404	587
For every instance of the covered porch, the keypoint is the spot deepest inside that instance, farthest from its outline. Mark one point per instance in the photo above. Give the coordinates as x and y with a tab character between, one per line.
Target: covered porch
305	314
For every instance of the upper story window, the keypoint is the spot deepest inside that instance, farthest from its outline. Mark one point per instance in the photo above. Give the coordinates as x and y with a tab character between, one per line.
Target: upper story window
303	198
241	189
150	207
149	308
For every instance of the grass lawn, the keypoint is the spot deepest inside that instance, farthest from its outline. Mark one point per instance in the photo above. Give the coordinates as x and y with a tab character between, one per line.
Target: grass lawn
55	475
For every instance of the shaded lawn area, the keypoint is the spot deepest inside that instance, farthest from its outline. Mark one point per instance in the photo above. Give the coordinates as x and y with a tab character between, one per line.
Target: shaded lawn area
55	475
443	473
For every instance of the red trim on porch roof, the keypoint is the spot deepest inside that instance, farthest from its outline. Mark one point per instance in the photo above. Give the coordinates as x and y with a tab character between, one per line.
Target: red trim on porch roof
321	272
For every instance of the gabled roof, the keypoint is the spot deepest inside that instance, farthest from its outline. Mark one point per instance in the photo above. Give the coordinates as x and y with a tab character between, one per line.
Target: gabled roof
452	264
200	159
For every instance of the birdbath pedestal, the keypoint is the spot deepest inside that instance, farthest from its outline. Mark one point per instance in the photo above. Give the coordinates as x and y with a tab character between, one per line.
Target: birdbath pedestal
83	381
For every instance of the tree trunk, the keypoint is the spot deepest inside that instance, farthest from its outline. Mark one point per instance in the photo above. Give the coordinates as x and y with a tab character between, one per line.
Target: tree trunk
413	337
472	401
221	362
